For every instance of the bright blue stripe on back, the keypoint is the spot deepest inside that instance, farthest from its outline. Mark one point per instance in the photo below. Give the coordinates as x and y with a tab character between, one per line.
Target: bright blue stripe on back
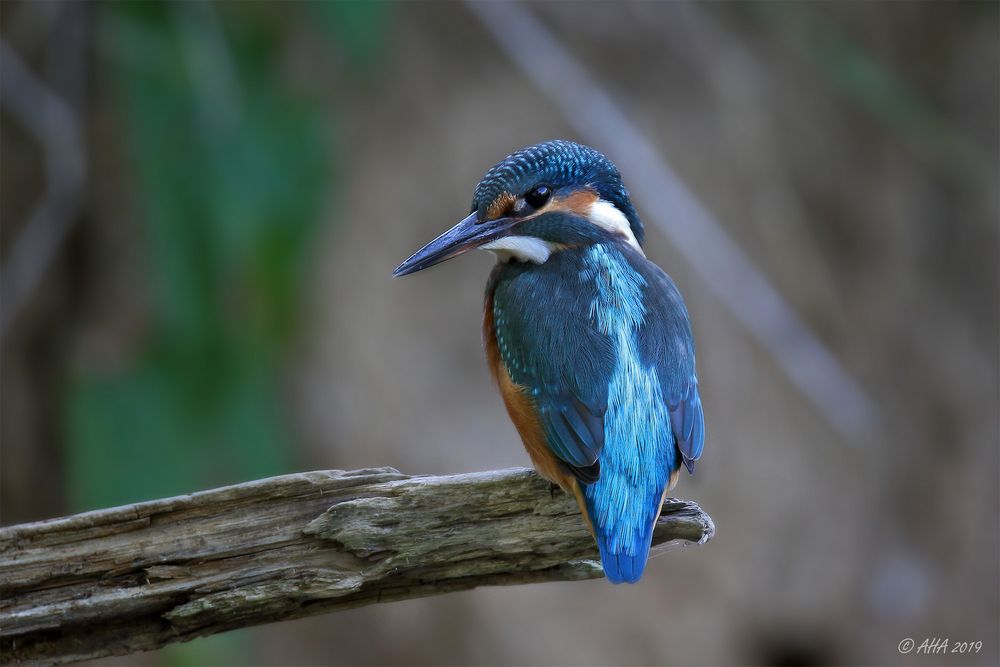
639	445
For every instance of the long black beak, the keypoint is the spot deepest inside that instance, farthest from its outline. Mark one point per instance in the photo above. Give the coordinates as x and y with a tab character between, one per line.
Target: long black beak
468	234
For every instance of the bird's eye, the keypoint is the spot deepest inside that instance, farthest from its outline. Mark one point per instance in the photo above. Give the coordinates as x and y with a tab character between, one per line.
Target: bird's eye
538	196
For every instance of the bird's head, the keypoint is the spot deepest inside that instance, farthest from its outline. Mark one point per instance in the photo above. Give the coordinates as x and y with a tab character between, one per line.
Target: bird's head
540	200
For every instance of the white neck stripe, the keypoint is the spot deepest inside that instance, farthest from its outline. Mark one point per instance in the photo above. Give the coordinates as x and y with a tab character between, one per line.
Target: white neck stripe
523	248
606	215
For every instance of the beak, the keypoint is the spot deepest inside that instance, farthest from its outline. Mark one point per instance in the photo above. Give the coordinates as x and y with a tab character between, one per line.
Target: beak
470	233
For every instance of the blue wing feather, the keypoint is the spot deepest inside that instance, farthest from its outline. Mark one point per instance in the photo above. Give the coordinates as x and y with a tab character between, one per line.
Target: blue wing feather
669	346
566	374
687	420
568	437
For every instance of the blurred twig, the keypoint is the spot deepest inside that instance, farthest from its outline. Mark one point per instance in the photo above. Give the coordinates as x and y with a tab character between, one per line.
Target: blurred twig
137	577
723	266
52	122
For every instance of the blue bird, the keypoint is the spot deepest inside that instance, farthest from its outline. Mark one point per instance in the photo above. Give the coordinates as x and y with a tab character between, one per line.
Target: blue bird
589	341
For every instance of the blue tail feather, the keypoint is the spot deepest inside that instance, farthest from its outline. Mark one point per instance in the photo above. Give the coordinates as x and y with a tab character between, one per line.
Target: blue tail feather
619	566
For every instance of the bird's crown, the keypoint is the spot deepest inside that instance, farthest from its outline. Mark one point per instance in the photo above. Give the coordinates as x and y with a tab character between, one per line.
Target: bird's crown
556	164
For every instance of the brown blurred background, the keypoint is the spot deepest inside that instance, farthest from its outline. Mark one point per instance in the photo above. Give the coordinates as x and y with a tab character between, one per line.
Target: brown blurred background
212	198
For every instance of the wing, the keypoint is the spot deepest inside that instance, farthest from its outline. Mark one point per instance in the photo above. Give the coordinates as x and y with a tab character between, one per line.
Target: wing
687	420
549	346
667	344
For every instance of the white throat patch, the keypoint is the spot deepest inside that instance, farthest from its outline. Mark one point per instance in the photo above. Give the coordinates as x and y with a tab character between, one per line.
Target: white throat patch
522	248
606	215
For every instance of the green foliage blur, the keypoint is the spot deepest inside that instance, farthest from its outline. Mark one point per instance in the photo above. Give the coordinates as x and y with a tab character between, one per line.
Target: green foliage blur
231	165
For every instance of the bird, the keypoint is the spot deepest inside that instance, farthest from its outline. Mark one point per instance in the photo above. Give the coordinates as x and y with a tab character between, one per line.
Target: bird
589	341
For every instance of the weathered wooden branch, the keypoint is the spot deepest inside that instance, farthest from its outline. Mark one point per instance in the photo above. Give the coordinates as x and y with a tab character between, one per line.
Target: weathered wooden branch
136	577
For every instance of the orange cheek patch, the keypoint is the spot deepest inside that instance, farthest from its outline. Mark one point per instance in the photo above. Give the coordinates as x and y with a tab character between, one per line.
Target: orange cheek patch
578	203
500	206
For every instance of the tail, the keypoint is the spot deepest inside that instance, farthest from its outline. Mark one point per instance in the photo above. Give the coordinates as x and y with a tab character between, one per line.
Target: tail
621	564
624	538
622	516
624	563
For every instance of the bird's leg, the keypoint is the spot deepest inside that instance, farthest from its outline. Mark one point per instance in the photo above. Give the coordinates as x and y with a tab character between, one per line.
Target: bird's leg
552	489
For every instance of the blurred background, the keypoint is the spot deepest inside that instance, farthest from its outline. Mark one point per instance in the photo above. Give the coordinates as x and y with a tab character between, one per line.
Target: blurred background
202	205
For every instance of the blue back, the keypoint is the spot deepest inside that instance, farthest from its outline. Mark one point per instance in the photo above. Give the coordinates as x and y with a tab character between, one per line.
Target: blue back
601	338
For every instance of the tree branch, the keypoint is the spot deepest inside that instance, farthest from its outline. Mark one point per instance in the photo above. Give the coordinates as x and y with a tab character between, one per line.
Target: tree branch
136	577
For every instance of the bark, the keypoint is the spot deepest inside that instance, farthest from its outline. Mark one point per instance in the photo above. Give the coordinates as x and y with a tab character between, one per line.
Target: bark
137	577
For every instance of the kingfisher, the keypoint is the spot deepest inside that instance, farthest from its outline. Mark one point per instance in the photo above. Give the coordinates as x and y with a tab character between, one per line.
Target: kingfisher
589	342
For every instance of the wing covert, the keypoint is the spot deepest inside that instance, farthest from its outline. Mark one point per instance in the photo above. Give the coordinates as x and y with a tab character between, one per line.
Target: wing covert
549	346
687	420
668	344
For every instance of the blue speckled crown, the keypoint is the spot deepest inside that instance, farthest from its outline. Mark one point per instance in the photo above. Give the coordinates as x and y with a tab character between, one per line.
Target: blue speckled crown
558	164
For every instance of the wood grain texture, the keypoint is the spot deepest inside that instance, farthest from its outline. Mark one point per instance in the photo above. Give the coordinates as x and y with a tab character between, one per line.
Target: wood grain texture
137	577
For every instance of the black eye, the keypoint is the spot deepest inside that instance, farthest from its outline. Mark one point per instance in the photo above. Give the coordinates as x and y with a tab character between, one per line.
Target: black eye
538	196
